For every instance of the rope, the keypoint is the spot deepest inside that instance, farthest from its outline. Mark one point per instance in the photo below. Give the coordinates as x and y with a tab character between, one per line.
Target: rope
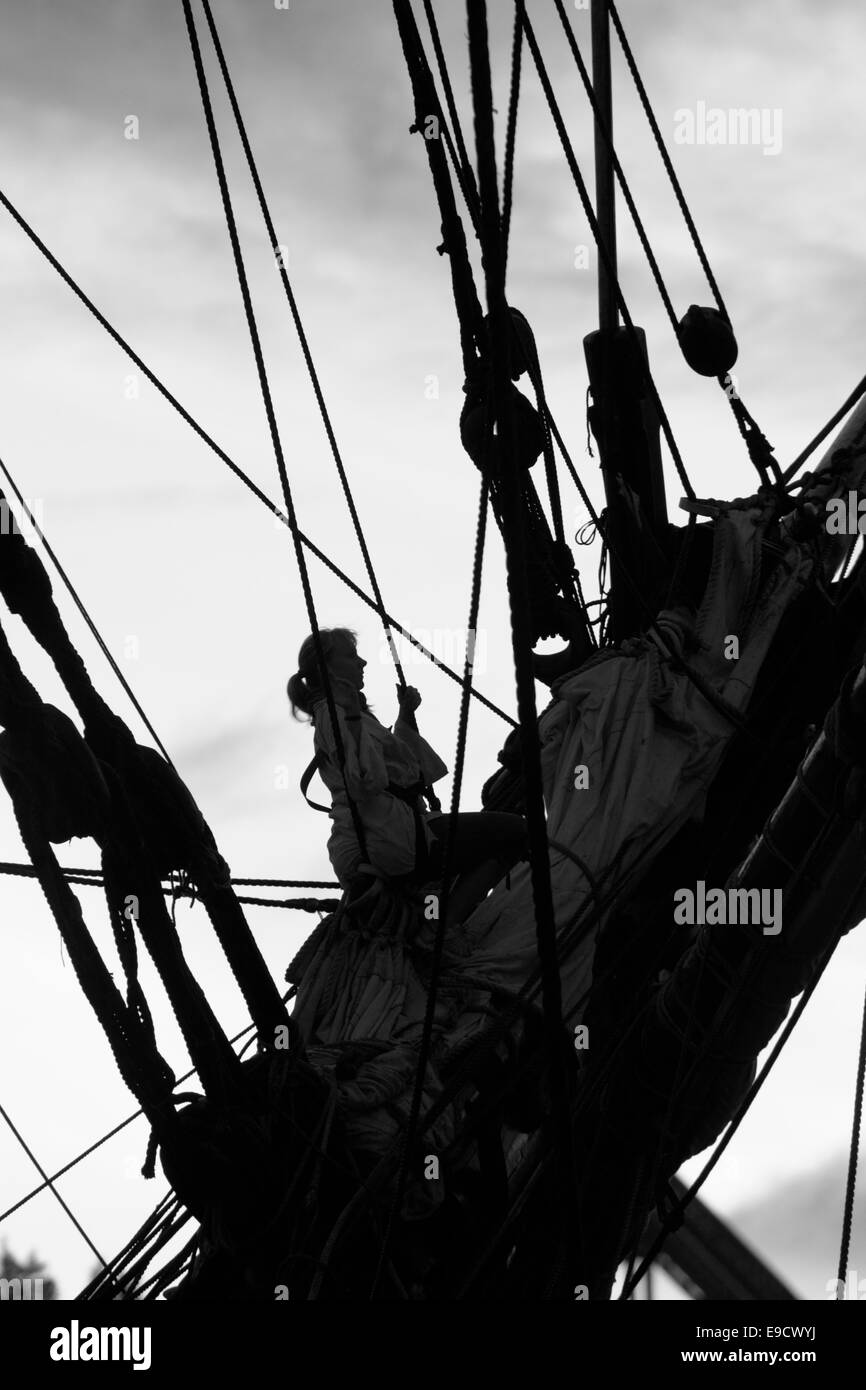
302	337
463	166
603	252
846	405
79	1158
621	178
408	636
511	130
760	451
444	891
675	183
50	1184
521	618
271	416
471	201
466	303
299	904
225	458
94	877
84	613
848	1213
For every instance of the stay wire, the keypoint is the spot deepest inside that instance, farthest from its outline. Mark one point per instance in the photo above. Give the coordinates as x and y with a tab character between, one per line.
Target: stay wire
272	420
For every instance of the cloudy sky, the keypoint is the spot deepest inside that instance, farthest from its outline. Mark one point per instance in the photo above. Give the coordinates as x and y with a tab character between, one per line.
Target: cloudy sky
190	582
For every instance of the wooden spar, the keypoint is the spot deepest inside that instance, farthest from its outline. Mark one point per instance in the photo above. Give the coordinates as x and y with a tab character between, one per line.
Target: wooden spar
605	203
622	418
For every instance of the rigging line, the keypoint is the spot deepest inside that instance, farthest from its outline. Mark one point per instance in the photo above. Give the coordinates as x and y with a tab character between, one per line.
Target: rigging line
85	615
666	160
272	422
465	173
846	405
850	1185
50	1183
302	337
223	456
603	252
94	876
117	1272
664	1130
444	887
618	169
110	1135
476	694
468	309
760	452
472	209
499	319
734	1125
511	130
472	205
741	977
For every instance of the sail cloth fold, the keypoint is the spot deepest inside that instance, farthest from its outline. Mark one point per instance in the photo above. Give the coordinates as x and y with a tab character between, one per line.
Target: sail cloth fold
650	742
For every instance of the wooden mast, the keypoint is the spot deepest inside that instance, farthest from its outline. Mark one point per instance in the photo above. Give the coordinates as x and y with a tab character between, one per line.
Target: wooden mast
622	419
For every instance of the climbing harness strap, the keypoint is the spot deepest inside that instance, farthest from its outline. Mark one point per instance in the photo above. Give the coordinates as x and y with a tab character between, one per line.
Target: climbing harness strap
412	796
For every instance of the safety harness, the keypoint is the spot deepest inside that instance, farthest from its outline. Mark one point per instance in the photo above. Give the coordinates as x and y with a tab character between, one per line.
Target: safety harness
412	795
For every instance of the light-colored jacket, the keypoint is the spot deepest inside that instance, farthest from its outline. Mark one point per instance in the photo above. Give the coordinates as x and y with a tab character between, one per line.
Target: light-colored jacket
382	756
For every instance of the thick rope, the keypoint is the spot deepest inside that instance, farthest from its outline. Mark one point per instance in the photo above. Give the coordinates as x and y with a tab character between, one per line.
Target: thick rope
469	315
271	416
511	130
462	165
521	618
85	615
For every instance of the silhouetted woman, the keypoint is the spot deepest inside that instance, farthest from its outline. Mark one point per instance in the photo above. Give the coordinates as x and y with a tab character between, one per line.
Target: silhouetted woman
385	773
